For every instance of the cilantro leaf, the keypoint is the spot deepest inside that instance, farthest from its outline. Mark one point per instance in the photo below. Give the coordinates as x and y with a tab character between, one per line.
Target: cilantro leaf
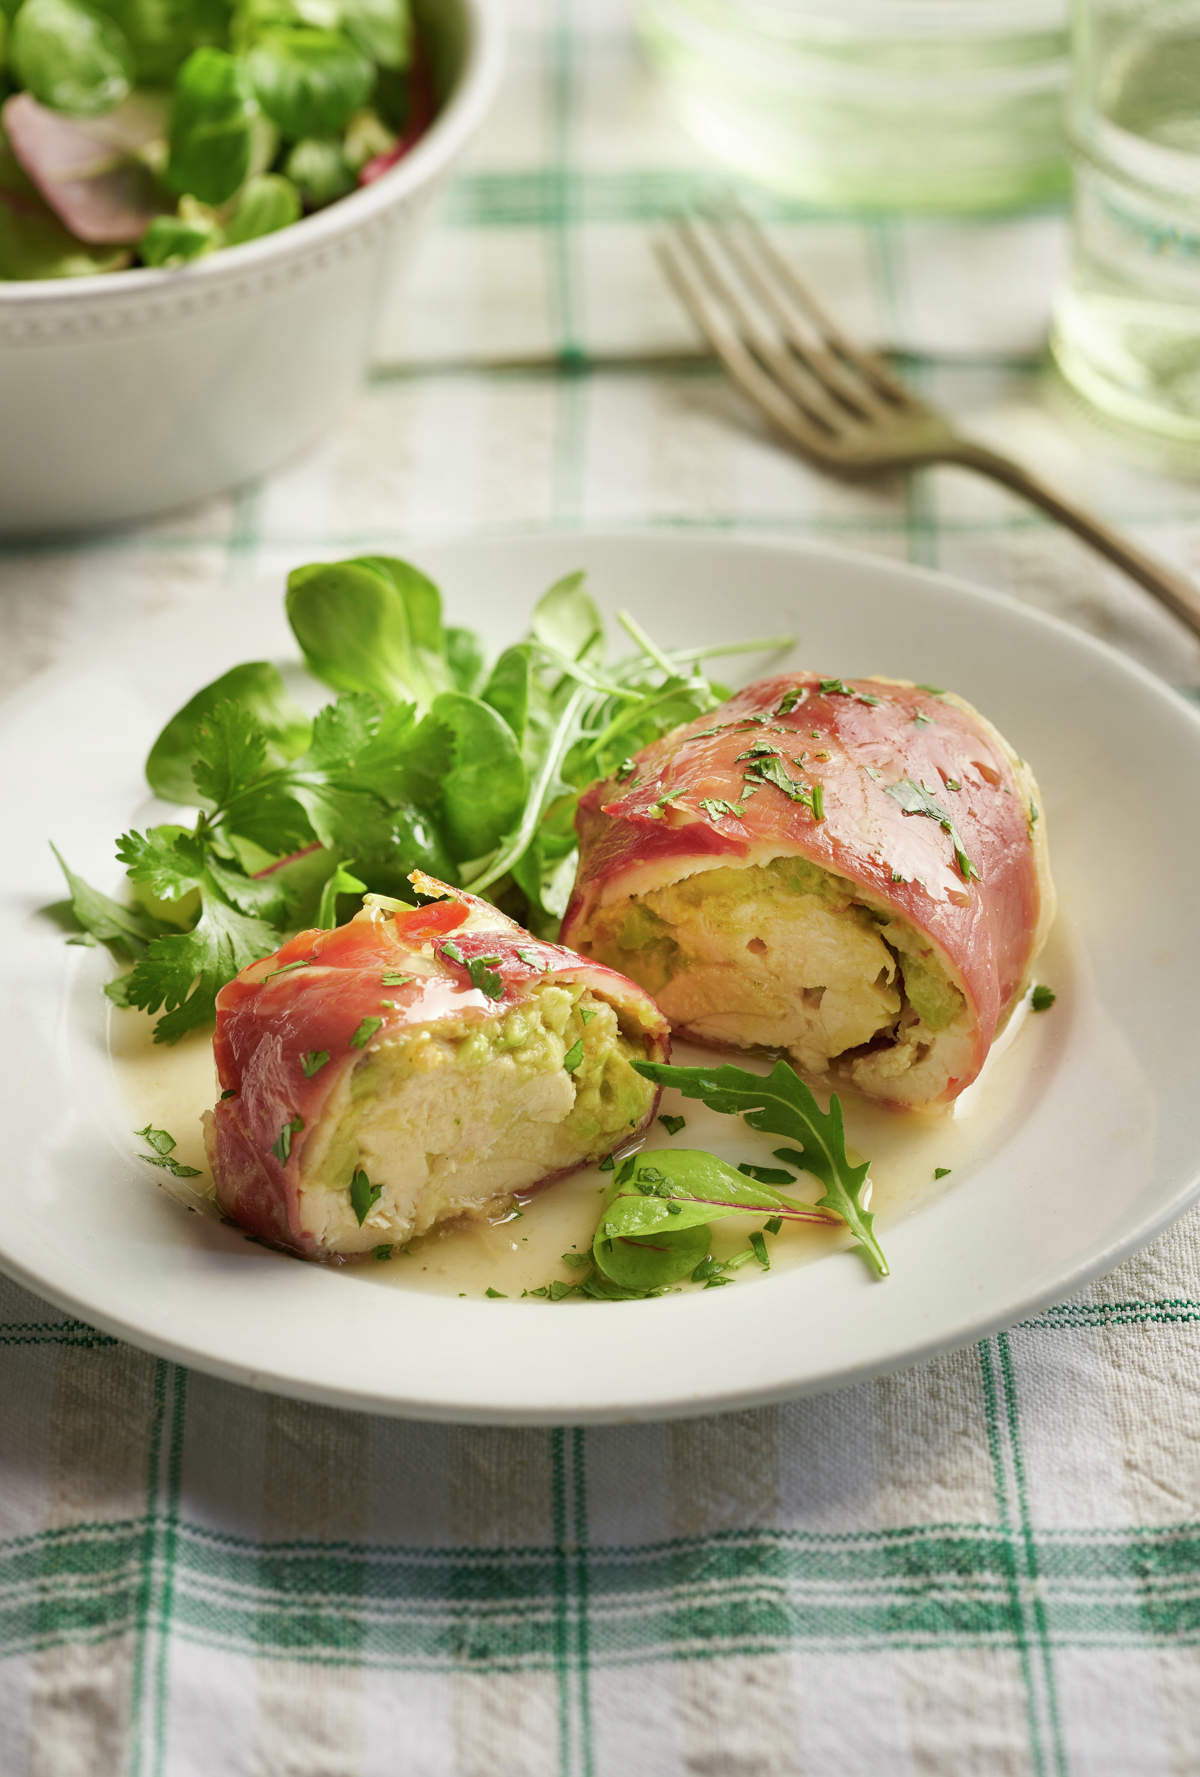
916	799
185	971
781	1104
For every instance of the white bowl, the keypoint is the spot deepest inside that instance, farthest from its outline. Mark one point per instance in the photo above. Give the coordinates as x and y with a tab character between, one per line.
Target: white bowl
130	393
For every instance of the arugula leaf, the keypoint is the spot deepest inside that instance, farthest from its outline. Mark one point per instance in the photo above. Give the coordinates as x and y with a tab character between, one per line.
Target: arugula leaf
161	1146
309	82
210	137
916	799
781	1104
122	928
340	883
70	56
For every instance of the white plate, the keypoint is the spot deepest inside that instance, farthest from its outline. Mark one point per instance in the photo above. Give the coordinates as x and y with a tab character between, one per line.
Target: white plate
1104	1144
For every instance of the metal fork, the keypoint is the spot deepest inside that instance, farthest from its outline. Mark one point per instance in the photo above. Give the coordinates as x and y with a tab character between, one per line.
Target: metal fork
841	405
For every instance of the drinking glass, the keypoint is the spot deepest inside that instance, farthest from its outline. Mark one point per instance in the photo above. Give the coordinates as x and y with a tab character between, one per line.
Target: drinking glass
1127	321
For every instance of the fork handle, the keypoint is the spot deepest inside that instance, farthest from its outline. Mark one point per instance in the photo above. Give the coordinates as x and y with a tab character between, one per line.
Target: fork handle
1170	588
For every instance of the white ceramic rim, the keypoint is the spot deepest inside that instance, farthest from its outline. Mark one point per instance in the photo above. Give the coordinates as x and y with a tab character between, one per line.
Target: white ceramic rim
453	126
665	1396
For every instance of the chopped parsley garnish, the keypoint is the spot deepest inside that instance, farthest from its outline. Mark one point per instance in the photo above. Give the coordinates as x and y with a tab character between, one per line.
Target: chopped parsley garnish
818	802
791	700
916	799
773	1225
1042	997
229	1092
872	772
578	1260
839	688
715	806
587	1013
287	968
759	749
281	1147
532	958
673	1125
393	978
760	1250
574	1055
625	769
365	1032
1034	813
921	720
381	1252
766	1175
952	783
941	1172
162	1146
607	1164
773	771
933	690
313	1062
496	1295
363	1195
480	970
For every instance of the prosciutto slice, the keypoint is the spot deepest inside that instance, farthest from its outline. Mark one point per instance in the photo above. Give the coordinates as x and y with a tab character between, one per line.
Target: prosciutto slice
915	826
415	1065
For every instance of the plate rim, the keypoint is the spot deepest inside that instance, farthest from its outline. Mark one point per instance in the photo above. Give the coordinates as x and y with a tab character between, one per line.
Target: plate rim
667	1405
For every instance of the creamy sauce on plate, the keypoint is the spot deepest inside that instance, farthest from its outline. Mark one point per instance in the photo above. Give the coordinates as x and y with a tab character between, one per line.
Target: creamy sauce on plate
171	1088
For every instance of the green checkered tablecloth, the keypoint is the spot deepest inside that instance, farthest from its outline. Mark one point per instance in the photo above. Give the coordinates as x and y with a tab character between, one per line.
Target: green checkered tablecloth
987	1565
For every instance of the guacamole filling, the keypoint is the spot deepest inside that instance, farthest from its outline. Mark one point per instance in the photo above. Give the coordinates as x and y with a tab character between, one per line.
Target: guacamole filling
787	956
452	1118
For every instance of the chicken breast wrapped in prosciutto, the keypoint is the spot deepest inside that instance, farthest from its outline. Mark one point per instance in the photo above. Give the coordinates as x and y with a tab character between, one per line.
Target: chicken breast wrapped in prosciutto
416	1065
852	872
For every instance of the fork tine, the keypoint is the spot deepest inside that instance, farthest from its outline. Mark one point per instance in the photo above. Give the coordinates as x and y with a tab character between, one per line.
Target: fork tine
794	373
868	364
740	363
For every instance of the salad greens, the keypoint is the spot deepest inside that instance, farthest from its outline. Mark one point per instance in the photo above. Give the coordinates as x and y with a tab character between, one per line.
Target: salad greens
143	133
655	1225
427	759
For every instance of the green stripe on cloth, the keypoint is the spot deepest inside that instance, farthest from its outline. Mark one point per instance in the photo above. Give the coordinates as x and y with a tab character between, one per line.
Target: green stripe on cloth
568	1606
